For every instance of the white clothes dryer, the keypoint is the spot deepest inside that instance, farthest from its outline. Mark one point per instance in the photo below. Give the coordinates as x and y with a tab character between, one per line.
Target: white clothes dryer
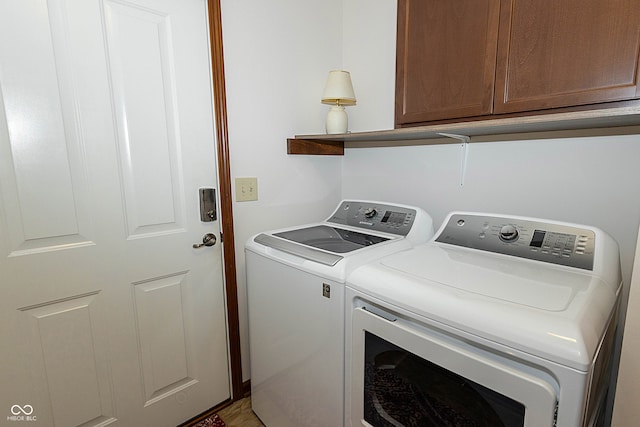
295	287
497	321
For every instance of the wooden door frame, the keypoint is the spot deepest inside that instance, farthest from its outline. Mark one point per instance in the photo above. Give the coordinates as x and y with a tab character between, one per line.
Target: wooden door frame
238	389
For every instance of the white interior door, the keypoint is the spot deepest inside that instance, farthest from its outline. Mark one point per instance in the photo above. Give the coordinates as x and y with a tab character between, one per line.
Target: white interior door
108	316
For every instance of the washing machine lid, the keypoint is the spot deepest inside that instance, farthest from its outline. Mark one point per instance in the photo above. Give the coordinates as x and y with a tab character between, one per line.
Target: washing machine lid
358	231
332	239
320	243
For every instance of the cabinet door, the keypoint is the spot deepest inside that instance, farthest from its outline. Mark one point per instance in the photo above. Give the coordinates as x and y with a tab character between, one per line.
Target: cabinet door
557	53
446	56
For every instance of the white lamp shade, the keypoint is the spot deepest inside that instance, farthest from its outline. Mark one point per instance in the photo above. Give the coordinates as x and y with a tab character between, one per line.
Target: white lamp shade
339	90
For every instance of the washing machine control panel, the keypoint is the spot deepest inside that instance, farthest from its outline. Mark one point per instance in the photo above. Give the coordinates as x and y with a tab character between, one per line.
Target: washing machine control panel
551	242
375	216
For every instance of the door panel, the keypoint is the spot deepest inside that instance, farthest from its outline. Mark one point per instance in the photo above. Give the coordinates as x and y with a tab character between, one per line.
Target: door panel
446	54
144	85
67	354
106	135
162	341
44	185
566	53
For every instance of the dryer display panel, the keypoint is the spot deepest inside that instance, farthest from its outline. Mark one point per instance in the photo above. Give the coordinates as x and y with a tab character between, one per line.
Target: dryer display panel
391	217
548	242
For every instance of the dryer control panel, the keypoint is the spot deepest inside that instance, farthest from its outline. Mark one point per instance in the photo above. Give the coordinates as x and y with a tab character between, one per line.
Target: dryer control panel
551	242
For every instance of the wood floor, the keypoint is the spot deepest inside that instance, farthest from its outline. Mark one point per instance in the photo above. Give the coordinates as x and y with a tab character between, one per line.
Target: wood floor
240	415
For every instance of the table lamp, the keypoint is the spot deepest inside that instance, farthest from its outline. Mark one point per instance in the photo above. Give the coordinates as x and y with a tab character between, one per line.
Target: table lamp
338	92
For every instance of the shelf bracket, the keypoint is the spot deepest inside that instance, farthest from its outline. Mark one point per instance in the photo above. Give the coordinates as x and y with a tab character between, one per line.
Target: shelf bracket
465	151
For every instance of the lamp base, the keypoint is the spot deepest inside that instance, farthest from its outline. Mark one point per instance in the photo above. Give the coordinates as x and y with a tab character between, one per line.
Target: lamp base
337	120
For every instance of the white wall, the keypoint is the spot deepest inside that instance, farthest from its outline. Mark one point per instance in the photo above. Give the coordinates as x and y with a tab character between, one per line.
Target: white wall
277	57
627	411
369	40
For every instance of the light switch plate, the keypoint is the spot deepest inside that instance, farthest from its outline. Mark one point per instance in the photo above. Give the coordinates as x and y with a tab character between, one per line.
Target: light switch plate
246	189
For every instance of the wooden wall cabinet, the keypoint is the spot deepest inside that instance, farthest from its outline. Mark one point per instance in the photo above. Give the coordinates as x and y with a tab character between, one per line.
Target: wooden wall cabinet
445	59
474	58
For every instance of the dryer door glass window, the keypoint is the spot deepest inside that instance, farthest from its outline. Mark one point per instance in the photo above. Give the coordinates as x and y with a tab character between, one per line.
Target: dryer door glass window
403	389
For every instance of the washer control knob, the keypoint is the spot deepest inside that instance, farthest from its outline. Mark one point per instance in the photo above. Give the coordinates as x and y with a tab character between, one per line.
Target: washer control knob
370	212
508	233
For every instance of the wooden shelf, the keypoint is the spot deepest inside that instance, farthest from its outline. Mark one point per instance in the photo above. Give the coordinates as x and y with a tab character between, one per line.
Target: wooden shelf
312	145
610	118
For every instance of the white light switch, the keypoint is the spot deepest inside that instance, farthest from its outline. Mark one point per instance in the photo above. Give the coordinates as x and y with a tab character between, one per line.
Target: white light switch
246	189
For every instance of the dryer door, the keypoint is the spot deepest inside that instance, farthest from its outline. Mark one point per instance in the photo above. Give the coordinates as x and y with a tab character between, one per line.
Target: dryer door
407	374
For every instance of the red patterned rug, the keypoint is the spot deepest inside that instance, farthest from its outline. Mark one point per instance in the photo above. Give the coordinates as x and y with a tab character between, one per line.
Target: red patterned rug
212	421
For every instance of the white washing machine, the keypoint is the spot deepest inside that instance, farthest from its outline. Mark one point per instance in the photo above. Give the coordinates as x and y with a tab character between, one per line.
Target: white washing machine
295	286
497	321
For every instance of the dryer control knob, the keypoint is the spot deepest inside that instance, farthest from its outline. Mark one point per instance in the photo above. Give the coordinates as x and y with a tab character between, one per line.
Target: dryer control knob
370	212
508	233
